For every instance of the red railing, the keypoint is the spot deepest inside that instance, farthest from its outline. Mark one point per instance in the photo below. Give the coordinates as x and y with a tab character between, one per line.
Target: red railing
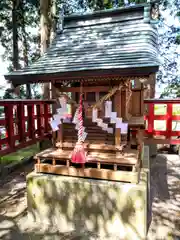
163	120
23	122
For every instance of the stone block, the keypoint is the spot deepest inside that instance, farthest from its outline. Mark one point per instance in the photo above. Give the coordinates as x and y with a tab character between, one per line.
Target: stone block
112	210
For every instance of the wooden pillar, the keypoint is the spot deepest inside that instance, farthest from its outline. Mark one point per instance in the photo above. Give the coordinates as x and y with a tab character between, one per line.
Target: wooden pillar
117	137
142	100
152	84
125	104
117	103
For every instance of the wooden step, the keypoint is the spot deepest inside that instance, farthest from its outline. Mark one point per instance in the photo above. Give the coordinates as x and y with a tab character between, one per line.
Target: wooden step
107	166
129	157
102	147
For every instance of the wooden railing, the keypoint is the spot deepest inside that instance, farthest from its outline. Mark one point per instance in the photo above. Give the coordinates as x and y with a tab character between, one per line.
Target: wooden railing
163	120
23	122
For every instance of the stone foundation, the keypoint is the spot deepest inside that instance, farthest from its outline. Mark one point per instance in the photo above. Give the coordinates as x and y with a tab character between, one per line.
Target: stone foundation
109	209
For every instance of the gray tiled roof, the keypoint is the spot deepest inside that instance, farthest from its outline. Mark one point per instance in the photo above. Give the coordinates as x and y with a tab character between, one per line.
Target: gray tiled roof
116	39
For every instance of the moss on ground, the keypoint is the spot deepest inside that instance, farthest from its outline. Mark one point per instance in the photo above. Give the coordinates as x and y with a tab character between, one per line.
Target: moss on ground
19	155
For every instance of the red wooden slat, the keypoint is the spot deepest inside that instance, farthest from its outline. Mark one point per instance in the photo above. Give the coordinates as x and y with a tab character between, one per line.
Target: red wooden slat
39	120
169	121
21	122
165	117
163	133
2	122
31	123
46	117
150	117
162	101
9	124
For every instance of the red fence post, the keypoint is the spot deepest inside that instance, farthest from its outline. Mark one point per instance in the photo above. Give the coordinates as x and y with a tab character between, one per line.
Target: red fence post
46	117
31	125
8	109
150	118
21	122
169	121
39	120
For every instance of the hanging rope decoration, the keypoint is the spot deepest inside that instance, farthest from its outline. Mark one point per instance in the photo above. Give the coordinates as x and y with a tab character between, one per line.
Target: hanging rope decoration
80	118
110	94
79	155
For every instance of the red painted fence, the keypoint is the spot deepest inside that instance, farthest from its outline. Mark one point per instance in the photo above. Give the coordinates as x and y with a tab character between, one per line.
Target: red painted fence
163	120
24	123
27	121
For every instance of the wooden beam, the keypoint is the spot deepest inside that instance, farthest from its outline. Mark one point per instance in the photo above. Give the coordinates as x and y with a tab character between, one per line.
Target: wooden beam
124	176
85	89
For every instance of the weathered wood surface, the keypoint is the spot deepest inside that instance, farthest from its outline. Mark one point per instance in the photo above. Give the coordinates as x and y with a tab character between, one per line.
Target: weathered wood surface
106	174
128	157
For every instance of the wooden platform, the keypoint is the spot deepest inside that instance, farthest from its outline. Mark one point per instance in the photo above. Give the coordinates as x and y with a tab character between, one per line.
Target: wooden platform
108	165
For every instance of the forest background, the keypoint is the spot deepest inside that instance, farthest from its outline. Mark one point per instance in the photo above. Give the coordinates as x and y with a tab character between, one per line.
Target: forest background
27	28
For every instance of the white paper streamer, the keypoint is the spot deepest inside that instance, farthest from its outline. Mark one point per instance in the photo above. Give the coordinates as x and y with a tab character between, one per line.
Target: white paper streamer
57	118
110	130
104	126
54	125
118	122
108	109
113	117
124	128
94	114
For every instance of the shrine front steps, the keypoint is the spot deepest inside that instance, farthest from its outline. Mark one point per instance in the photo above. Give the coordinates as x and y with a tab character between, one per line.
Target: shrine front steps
128	158
100	147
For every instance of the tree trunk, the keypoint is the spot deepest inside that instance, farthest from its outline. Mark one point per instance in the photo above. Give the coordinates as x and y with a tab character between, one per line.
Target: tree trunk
45	24
45	9
15	5
25	46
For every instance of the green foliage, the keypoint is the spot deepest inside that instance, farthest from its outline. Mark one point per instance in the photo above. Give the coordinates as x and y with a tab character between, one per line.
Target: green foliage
178	39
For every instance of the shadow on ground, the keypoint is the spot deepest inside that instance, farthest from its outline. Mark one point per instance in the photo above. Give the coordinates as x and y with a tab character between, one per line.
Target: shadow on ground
165	198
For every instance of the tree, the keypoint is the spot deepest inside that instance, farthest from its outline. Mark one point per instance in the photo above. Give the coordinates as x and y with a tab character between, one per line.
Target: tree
169	35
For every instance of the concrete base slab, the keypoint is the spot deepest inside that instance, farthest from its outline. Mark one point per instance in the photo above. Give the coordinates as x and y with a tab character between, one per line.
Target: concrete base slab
108	209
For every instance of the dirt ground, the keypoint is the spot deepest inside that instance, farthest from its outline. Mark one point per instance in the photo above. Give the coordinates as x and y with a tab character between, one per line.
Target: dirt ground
165	197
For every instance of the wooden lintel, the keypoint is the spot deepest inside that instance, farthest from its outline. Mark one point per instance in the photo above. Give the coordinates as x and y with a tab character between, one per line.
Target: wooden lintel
85	89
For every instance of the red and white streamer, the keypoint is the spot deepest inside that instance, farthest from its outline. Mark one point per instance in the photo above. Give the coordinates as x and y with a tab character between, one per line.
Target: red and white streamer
80	118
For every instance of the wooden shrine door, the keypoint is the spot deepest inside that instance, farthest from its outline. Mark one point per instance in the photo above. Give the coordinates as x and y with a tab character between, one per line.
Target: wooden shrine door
90	98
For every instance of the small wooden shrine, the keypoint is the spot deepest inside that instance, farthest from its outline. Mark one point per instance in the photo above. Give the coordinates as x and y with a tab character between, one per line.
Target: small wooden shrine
109	58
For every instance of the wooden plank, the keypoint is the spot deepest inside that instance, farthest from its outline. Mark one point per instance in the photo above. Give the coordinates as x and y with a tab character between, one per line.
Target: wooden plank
85	89
124	176
162	101
31	123
60	135
103	147
21	122
169	121
9	125
117	137
142	100
128	157
118	102
136	121
46	117
161	141
39	120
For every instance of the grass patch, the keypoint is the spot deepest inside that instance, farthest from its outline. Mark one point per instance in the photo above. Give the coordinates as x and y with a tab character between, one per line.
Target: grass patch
19	155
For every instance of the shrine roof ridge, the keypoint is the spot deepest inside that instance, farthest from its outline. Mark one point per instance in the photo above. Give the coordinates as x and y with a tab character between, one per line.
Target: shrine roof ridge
106	12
